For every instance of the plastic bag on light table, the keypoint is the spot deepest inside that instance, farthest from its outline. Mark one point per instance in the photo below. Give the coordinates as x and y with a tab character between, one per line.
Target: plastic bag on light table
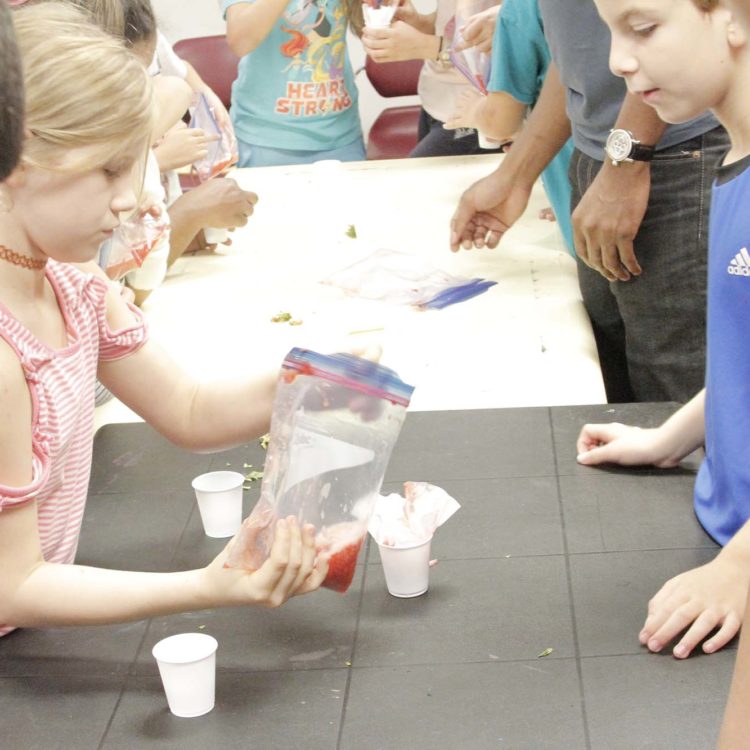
222	153
335	421
391	276
131	243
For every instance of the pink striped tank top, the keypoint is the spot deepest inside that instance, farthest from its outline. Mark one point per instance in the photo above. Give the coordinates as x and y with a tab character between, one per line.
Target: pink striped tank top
61	383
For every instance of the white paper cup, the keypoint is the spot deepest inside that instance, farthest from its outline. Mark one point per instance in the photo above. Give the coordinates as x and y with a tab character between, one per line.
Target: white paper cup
219	495
187	665
378	18
215	236
486	142
407	569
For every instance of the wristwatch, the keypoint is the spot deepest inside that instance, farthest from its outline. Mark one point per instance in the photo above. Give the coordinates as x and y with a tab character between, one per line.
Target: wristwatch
621	147
444	53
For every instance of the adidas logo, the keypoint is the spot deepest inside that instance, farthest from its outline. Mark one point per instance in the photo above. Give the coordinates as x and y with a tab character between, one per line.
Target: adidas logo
740	264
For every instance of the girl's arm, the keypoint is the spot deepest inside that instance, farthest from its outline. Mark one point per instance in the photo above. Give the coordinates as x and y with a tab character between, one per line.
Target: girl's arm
172	97
34	592
248	24
497	115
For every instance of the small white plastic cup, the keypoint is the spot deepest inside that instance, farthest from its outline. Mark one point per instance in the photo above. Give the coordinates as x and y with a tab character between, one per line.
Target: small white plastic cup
487	142
219	495
187	665
378	18
215	236
407	569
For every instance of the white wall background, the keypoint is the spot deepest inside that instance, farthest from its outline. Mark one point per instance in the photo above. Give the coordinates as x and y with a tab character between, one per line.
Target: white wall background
180	19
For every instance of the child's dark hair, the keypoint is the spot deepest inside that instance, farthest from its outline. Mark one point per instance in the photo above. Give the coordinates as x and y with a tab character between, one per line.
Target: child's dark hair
140	22
11	96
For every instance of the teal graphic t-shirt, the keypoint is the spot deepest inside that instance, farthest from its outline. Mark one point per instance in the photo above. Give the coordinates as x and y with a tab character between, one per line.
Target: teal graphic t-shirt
296	90
520	58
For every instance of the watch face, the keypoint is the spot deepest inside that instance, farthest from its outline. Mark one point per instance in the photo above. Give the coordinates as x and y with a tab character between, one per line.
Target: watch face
619	144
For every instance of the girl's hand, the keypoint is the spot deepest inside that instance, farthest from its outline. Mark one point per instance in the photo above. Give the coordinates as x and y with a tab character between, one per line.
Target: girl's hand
181	146
698	602
625	445
399	41
407	13
479	30
292	568
468	104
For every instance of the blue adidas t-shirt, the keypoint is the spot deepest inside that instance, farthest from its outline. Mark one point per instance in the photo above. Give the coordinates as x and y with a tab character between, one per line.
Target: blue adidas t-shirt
296	90
722	489
520	57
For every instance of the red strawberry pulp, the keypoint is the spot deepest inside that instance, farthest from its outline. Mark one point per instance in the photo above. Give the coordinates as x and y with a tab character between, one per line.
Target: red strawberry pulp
341	567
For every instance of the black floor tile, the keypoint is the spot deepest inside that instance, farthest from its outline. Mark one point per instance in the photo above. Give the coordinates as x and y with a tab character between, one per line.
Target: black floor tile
102	650
134	531
134	458
611	592
315	631
531	705
476	444
271	710
608	512
648	701
56	712
475	610
498	517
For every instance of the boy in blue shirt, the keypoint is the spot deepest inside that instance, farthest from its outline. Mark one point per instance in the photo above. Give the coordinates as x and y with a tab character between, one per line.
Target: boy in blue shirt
520	58
683	58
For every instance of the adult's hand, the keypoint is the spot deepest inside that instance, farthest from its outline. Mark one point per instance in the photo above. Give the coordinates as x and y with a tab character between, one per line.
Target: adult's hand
399	41
466	115
487	210
607	219
479	30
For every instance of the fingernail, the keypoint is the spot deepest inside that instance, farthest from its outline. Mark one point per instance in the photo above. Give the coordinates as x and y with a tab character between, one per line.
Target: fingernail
581	457
643	636
708	648
654	645
680	651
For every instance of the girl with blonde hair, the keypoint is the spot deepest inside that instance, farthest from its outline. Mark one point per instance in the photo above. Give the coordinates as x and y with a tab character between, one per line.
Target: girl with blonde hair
88	124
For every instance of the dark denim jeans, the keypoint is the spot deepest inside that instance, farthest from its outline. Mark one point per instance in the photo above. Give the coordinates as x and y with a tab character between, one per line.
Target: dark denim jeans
651	330
435	140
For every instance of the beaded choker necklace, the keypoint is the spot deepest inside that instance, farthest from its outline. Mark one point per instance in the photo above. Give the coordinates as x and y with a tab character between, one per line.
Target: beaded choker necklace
21	260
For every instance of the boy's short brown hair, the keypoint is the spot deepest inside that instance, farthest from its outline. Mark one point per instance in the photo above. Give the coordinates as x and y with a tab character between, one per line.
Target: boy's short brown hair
11	96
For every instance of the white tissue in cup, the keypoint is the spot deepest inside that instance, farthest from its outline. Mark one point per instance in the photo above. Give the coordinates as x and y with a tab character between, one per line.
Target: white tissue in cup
187	665
380	17
403	528
406	569
219	496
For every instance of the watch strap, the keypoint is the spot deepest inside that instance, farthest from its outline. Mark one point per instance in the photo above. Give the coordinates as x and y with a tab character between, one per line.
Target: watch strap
640	152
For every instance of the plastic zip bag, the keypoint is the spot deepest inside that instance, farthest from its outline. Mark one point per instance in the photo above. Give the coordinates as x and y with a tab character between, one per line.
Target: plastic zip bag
400	278
223	152
335	421
131	243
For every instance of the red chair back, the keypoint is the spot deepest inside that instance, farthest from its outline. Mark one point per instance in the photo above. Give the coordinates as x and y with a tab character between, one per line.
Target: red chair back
215	62
394	78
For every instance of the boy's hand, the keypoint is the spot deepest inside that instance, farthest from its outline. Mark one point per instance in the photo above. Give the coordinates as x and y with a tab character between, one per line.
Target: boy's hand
700	600
622	444
291	569
487	210
479	30
399	41
608	217
468	104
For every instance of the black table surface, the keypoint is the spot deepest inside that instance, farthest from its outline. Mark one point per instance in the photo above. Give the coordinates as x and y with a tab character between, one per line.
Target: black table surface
544	554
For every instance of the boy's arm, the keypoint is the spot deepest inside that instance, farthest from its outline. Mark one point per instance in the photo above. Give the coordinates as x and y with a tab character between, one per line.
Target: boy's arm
501	116
735	729
248	24
702	600
608	217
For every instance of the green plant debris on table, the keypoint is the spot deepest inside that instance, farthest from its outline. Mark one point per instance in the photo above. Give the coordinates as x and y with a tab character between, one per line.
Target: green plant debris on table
281	317
351	231
264	440
546	652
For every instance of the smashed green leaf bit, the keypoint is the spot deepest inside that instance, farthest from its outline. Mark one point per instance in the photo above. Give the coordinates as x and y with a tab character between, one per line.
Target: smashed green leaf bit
264	440
253	476
351	231
546	652
281	317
